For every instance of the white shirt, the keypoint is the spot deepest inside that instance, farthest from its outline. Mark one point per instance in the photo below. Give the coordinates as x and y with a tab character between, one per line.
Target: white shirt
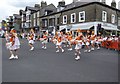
2	33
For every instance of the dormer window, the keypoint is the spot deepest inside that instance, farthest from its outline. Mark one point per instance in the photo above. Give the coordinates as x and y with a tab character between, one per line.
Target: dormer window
46	12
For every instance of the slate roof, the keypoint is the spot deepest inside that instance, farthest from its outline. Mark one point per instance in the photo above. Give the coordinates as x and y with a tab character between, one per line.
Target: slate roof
49	7
23	12
75	4
31	8
17	16
78	4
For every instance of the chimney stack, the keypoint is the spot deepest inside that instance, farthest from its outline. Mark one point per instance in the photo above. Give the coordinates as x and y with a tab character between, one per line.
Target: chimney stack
113	4
43	4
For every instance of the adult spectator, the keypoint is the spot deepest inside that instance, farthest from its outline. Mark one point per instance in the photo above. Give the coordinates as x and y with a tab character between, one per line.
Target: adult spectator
1	33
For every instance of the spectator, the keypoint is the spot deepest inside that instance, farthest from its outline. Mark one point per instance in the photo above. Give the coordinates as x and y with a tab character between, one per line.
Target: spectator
1	33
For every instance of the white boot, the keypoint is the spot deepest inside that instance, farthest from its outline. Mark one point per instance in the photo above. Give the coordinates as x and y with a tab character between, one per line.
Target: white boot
70	49
56	46
32	48
77	58
98	48
92	49
45	47
16	57
89	51
57	51
62	50
12	56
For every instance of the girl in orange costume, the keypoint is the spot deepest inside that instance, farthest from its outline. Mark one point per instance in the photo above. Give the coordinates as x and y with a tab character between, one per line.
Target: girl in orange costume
14	44
99	40
70	41
45	40
31	39
59	43
92	40
87	43
78	46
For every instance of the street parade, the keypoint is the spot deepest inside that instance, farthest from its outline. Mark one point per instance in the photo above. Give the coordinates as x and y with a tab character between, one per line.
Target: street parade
89	42
59	41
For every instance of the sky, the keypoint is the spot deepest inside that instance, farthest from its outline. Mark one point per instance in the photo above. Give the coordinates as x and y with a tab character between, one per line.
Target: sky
10	7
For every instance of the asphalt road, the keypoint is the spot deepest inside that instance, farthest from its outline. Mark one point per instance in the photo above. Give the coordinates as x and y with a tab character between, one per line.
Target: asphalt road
48	66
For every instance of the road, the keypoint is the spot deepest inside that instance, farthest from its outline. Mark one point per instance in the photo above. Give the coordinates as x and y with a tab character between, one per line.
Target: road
48	66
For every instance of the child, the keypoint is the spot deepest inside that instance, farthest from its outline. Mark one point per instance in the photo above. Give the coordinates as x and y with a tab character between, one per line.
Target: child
59	43
31	41
45	40
78	46
14	44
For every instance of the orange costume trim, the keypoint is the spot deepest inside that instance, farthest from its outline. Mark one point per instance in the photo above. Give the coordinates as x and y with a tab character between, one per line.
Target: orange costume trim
31	37
12	39
92	37
70	37
44	36
59	39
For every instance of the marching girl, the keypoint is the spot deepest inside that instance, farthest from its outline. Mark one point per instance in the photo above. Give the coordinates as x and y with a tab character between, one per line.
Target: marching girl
59	43
31	41
64	39
78	46
99	42
54	40
92	40
45	40
87	43
70	41
14	44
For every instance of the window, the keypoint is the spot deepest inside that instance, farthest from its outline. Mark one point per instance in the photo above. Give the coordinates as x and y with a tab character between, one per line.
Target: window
50	22
82	16
45	23
73	18
27	17
65	19
34	15
46	12
26	25
104	16
58	20
38	22
34	22
113	18
38	14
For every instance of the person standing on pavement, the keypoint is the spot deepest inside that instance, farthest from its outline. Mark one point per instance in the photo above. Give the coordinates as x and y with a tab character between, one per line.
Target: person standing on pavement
2	32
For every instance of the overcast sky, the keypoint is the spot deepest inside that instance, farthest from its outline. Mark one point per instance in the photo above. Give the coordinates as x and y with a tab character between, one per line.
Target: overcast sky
10	7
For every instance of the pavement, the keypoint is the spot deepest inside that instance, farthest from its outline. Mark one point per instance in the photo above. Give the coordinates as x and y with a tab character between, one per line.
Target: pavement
0	60
48	66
